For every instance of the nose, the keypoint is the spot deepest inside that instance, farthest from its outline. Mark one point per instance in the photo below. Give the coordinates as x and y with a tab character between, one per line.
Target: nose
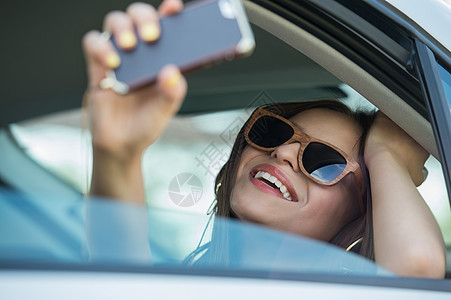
288	154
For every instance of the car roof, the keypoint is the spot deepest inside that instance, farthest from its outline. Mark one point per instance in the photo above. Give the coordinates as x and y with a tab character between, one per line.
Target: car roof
436	21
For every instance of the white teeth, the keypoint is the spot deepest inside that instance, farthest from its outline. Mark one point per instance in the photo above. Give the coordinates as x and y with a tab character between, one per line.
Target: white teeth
276	182
272	179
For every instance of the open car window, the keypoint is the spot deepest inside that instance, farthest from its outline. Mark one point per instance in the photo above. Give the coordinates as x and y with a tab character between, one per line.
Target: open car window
46	222
192	150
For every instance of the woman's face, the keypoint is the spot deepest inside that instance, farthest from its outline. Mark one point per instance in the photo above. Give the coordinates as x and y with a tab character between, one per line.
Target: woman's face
318	211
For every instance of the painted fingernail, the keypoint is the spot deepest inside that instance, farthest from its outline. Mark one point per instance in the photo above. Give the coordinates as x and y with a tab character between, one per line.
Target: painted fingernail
173	79
150	32
113	60
127	39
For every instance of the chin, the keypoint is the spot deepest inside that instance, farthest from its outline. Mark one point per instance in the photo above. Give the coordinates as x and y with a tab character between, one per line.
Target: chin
247	210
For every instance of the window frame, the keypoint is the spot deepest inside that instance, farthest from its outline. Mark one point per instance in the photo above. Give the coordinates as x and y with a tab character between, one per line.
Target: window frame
436	100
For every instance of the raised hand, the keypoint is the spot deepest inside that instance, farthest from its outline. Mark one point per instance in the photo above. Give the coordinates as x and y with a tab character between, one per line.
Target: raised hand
123	126
387	138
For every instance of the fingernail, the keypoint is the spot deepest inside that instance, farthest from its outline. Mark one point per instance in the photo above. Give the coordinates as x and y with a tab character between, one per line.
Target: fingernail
150	32
173	79
127	39
113	60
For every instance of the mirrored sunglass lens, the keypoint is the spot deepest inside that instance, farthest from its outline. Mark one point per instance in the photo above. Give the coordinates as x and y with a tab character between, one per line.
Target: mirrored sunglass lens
323	162
269	132
328	173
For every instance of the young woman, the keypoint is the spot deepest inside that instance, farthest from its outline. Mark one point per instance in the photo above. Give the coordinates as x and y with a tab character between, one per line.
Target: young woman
274	177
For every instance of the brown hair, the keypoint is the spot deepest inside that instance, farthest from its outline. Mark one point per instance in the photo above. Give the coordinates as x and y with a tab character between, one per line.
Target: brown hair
225	180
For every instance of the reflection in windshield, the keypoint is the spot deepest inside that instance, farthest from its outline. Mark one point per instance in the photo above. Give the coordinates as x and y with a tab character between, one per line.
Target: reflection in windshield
47	228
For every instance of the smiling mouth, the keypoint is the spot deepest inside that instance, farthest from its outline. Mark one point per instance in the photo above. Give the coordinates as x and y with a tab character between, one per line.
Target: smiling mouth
273	182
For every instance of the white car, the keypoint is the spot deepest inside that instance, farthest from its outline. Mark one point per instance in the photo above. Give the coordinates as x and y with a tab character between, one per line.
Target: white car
395	55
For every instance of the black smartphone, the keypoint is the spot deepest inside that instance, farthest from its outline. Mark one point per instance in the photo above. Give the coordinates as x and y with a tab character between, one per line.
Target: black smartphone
205	32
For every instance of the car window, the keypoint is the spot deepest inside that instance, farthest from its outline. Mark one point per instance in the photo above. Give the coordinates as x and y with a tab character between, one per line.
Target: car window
97	232
446	80
187	157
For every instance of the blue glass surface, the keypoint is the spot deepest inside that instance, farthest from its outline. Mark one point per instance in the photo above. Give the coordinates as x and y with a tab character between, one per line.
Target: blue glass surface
446	80
328	173
47	228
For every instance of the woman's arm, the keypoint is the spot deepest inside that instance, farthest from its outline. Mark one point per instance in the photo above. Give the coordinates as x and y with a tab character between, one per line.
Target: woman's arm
407	239
123	126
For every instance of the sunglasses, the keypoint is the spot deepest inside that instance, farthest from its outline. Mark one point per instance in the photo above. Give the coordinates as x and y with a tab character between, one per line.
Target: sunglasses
320	161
